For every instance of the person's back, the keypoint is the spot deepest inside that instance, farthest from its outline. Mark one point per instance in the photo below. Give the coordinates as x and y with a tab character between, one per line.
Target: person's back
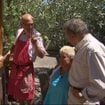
89	45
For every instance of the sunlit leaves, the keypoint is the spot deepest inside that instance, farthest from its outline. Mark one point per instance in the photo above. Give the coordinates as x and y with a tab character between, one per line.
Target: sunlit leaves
51	15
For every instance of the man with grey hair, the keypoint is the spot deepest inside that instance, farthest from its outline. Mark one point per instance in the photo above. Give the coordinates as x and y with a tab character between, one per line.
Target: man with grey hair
87	74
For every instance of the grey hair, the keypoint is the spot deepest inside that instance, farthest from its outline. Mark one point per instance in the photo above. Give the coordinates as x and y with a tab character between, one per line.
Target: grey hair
76	26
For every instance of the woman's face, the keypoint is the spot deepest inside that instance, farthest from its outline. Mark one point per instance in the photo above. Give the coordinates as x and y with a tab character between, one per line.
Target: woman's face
65	60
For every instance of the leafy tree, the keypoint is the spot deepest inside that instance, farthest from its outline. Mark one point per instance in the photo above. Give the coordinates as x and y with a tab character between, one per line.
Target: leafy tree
51	15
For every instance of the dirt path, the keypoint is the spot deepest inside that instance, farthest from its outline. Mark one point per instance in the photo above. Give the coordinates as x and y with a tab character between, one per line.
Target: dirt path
46	62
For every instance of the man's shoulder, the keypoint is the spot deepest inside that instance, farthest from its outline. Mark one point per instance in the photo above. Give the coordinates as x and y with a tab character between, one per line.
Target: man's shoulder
20	30
95	46
37	33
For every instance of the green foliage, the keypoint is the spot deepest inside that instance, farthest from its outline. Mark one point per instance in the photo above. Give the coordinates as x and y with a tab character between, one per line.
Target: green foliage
50	17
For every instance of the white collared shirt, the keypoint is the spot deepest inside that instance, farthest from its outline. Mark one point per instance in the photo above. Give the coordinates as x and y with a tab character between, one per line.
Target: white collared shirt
88	68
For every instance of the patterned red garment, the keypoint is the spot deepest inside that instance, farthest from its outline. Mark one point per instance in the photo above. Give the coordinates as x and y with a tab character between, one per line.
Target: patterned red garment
21	82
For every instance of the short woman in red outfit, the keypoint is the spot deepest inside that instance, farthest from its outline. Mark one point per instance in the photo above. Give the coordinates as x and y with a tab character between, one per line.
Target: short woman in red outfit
28	45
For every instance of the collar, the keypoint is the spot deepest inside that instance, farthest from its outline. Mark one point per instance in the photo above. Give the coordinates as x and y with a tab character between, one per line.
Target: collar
83	41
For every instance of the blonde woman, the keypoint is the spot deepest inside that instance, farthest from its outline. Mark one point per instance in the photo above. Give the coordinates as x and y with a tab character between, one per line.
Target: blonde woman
57	93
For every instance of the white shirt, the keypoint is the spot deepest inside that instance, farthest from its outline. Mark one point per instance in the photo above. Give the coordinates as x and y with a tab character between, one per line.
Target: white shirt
31	49
88	68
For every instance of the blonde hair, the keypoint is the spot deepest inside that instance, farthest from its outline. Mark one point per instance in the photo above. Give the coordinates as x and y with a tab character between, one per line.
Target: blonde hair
68	50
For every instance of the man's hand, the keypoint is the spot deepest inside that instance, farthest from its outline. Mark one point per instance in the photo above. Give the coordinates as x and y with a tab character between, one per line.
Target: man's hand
77	93
34	39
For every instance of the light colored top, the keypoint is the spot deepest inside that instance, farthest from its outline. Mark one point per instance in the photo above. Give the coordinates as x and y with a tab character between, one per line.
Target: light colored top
88	68
31	49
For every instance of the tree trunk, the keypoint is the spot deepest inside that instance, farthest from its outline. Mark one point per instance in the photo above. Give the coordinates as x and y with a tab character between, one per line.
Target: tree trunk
1	27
